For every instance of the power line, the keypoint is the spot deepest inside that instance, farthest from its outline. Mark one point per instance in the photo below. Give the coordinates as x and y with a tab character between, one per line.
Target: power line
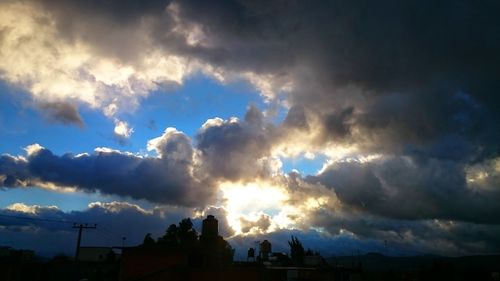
110	232
80	228
115	237
105	236
111	236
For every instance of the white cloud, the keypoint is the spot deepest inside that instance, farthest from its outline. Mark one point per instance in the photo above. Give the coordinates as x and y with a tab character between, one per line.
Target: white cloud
155	143
117	207
122	129
35	57
33	148
29	209
484	176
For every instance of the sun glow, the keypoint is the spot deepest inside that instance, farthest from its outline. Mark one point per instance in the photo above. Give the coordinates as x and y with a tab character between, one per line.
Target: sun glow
250	201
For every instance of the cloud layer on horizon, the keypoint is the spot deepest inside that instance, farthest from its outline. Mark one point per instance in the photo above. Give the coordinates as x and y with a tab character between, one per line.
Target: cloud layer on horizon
25	226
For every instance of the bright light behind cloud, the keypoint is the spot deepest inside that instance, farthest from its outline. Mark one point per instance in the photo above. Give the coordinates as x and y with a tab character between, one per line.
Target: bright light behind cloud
484	176
251	200
248	204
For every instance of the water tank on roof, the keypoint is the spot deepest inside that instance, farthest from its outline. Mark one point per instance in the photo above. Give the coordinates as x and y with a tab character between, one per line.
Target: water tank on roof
265	249
210	227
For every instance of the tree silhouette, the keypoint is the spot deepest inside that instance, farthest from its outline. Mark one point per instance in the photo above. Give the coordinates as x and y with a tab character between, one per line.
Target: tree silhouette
171	237
226	252
187	235
211	251
296	251
148	240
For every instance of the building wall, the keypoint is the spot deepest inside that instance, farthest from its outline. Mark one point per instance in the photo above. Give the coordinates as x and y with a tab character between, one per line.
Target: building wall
142	262
94	254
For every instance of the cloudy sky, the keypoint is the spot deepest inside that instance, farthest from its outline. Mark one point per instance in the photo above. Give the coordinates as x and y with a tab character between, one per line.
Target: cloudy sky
357	126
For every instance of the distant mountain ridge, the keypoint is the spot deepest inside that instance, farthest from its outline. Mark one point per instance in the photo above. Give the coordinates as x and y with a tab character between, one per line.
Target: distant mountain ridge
380	262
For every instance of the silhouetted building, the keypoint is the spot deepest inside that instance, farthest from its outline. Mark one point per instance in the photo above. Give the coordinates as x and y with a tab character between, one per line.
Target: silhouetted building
265	250
4	251
279	259
18	254
188	255
96	254
210	228
251	255
313	260
215	251
141	262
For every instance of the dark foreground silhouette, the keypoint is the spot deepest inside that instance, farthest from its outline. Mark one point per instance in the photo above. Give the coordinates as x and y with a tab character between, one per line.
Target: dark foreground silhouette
182	254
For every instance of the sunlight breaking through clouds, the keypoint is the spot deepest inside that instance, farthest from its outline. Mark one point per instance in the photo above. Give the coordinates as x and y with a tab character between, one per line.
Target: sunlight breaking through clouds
250	200
253	204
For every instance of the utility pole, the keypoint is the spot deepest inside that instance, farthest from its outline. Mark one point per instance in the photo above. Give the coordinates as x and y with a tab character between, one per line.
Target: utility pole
80	228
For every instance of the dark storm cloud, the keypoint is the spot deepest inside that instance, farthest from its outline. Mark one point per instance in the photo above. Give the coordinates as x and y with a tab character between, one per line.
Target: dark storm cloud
261	225
326	245
108	26
296	118
409	188
166	179
413	237
390	72
182	174
396	68
337	124
381	45
62	112
236	150
13	169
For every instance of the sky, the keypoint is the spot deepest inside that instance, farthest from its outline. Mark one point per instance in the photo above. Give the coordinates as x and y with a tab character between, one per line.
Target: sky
357	127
